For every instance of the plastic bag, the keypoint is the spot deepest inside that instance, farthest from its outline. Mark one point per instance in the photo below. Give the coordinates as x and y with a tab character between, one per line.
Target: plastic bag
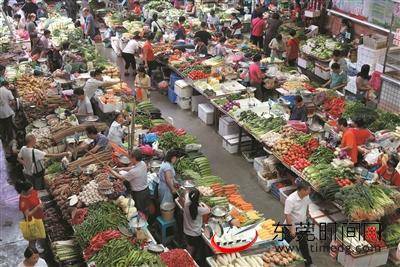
33	229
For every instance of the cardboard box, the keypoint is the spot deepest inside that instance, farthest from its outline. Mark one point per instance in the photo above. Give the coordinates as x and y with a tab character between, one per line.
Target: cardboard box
375	41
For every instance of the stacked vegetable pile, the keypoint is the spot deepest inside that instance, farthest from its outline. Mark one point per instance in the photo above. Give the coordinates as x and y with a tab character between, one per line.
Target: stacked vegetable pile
320	47
260	125
33	89
391	234
363	202
334	107
177	258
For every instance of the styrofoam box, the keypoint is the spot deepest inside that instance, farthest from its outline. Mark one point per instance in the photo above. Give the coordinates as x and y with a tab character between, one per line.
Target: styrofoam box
231	143
322	72
316	224
366	55
284	192
258	163
108	108
182	89
227	126
183	102
301	62
196	100
265	183
206	113
312	14
347	260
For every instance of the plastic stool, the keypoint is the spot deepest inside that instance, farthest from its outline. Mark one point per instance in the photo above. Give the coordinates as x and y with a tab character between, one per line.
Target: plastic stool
164	225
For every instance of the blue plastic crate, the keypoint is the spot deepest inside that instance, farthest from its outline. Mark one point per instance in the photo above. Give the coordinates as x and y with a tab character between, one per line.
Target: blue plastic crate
171	96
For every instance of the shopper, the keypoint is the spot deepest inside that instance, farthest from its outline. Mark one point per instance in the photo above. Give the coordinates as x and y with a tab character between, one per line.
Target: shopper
167	191
179	31
72	8
2	73
128	54
31	207
31	160
190	8
42	10
299	111
199	47
142	85
338	79
83	106
148	55
31	26
277	47
137	9
235	26
6	113
257	30
337	57
29	7
349	141
32	259
363	135
70	61
388	173
19	23
220	49
362	84
100	141
94	82
116	132
44	43
296	206
157	27
256	12
256	77
193	212
136	175
89	28
213	21
271	31
292	49
203	34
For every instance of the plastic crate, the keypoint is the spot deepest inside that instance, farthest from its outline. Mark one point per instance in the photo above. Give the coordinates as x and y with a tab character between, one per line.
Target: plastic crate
171	96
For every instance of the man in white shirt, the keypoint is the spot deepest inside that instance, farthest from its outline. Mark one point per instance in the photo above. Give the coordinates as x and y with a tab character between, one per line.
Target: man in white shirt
6	114
95	81
136	176
83	106
213	20
296	206
129	52
32	161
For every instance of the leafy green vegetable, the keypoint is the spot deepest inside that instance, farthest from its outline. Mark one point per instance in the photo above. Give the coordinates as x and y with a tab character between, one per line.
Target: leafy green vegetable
322	155
170	140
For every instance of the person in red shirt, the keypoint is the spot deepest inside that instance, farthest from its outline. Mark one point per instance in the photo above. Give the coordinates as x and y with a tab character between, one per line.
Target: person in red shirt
148	54
349	143
292	49
30	205
387	172
256	77
362	134
137	10
257	30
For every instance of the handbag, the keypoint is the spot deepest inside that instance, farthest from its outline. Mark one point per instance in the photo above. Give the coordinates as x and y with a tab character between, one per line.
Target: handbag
33	229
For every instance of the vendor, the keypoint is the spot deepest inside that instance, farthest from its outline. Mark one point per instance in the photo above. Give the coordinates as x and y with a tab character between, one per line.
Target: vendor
136	9
148	57
100	141
299	111
179	31
338	78
142	85
213	21
32	161
200	48
190	8
256	77
166	188
348	143
70	61
203	34
220	49
345	33
388	173
128	53
193	212
136	176
337	57
44	43
19	24
6	114
29	7
271	30
2	73
83	106
116	131
157	27
363	135
94	82
292	49
362	84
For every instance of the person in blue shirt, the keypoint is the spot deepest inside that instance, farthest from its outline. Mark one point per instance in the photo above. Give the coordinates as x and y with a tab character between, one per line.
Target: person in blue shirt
338	78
